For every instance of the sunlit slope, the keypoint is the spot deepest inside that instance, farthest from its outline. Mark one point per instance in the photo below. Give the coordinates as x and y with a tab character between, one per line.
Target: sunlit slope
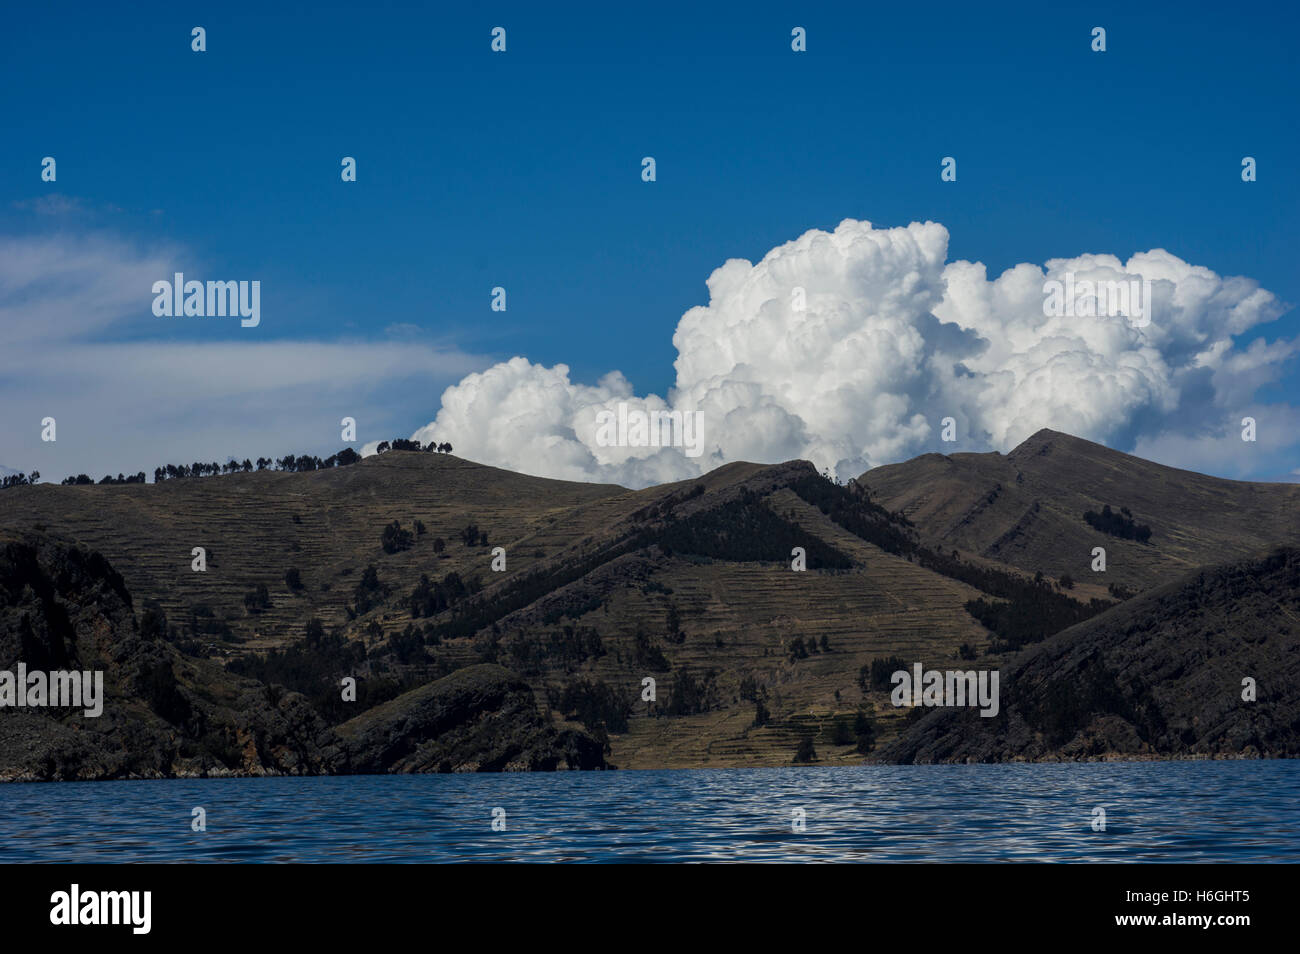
327	524
1027	509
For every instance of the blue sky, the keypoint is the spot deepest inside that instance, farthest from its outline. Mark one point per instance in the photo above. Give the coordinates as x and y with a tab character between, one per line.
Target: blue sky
522	169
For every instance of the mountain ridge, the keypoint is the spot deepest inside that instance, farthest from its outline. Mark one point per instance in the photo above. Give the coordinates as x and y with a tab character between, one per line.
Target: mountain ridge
387	571
1027	509
1162	674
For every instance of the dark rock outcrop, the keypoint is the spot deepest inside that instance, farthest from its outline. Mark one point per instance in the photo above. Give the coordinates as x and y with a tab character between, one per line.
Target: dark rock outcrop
168	715
1157	676
479	719
63	608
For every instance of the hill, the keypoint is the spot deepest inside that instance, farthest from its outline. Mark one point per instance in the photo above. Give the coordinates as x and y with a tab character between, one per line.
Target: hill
1028	509
672	625
165	715
255	527
1159	675
688	584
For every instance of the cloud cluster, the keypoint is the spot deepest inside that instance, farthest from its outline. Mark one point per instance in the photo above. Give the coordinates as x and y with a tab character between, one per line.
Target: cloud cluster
848	348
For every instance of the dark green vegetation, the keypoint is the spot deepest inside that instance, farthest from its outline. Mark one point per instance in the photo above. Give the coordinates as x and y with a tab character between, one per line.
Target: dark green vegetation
1028	609
1118	524
380	572
166	714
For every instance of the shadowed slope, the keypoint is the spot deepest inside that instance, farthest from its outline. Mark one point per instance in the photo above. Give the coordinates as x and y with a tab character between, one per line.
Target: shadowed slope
1161	674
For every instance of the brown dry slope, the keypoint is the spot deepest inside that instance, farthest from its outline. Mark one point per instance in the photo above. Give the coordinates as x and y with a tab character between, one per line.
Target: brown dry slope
690	585
1026	509
1207	665
603	587
156	712
327	524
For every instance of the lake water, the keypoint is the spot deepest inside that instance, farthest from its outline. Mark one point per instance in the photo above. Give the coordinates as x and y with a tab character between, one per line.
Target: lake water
1170	811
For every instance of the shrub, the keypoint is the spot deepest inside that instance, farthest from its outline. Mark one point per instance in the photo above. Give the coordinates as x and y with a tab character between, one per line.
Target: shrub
648	655
691	696
153	622
864	731
369	592
882	670
1119	524
430	598
395	539
593	703
842	732
257	599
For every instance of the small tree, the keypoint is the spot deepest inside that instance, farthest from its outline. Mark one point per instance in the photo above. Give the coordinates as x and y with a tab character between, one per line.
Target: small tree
842	732
864	729
257	599
394	538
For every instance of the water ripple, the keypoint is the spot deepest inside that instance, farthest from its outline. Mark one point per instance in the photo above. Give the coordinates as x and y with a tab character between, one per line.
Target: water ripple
1179	811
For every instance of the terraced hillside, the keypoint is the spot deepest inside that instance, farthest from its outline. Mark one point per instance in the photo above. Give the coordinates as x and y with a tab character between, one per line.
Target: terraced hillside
159	713
670	625
326	524
690	584
742	621
1206	665
1027	509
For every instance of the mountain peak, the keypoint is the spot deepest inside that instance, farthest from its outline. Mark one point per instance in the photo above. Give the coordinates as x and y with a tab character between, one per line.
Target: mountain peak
1045	439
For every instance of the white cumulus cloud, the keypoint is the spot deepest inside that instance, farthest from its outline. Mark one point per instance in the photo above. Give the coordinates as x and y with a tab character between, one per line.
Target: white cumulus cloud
849	347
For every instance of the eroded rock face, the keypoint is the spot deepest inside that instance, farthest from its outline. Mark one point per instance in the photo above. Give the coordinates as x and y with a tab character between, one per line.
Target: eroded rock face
1157	676
478	719
64	609
166	715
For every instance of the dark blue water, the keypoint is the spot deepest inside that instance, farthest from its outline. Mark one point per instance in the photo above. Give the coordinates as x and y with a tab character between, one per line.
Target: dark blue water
1180	811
